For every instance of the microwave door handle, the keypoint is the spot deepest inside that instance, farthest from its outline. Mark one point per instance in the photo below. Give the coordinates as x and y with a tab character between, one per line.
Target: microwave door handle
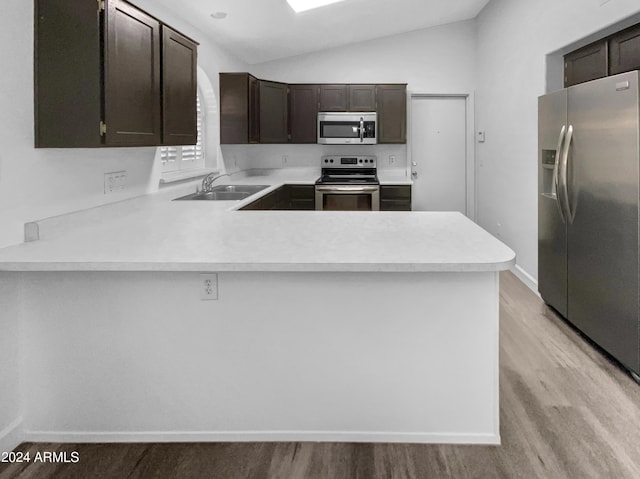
361	130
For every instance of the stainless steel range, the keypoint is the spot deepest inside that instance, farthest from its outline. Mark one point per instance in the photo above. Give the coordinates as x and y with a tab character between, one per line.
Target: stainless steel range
348	183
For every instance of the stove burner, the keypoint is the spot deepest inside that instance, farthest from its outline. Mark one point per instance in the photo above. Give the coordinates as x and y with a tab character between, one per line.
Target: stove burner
351	170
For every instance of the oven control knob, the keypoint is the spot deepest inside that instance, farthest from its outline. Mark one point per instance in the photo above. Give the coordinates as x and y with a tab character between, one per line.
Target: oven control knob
360	160
331	160
326	161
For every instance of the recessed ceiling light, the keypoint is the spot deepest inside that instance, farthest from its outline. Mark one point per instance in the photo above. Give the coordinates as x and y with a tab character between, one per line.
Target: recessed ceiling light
219	15
304	5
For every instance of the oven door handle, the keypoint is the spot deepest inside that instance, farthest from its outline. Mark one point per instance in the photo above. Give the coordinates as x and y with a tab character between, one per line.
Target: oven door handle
347	189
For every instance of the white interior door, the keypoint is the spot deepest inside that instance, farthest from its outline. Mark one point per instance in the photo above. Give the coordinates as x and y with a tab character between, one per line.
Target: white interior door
439	153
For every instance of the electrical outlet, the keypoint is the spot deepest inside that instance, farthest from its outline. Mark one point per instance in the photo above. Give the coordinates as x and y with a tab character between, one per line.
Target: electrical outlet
392	159
498	229
285	159
208	287
115	182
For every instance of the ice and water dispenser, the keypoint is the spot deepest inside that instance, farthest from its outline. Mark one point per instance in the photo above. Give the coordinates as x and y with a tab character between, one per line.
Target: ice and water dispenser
548	165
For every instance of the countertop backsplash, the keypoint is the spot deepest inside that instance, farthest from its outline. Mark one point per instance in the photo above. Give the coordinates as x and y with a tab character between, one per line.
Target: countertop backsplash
241	157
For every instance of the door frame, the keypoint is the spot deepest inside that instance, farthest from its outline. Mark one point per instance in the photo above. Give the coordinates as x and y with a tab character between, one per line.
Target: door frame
470	168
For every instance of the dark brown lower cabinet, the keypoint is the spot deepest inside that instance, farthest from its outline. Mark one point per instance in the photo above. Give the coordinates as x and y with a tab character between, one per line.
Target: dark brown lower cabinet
395	198
287	197
302	198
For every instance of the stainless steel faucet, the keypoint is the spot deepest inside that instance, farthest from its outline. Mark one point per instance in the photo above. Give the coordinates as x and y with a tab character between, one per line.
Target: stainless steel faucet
207	181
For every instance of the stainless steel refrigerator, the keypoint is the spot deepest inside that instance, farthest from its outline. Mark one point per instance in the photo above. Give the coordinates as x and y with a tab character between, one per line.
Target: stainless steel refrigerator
588	207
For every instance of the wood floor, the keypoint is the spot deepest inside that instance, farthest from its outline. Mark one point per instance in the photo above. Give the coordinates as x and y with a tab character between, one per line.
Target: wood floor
566	412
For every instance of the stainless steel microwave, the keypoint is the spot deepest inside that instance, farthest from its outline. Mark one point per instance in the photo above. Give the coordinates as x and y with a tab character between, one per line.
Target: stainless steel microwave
347	128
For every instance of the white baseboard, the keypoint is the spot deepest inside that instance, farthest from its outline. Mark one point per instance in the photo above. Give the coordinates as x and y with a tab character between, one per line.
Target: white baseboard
526	278
11	436
261	436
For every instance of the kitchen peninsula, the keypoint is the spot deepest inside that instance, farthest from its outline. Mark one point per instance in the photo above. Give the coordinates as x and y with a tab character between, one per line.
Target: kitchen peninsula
328	326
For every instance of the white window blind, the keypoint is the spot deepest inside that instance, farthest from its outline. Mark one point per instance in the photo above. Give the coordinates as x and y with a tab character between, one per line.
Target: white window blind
179	158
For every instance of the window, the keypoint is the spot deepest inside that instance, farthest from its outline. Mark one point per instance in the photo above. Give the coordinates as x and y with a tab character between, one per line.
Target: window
182	158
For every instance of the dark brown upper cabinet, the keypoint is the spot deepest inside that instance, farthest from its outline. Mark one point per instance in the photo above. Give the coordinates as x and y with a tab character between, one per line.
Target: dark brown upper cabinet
624	51
587	63
347	97
179	88
239	108
252	110
303	113
362	98
97	72
392	113
132	77
273	112
334	98
276	116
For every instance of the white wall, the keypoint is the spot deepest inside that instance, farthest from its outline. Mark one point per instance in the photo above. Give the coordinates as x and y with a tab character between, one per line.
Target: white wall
36	184
10	348
433	60
514	36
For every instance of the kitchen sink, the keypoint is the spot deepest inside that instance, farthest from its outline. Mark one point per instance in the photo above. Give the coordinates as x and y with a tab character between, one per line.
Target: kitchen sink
226	193
251	189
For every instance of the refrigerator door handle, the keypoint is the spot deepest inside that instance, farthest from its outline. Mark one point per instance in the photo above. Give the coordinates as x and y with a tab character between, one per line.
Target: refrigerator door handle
563	174
556	171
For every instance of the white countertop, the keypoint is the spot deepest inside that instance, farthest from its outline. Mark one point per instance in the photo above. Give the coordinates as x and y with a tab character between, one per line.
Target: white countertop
153	233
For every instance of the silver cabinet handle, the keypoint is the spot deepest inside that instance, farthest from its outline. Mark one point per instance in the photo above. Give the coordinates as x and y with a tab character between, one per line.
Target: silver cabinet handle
556	172
563	174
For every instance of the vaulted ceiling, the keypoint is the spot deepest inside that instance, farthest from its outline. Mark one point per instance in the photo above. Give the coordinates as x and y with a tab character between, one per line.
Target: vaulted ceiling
262	30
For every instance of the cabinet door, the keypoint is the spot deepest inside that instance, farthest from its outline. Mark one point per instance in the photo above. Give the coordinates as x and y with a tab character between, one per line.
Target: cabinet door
67	76
132	77
254	110
362	98
586	64
334	98
234	108
303	113
301	197
273	112
624	51
395	198
179	88
392	113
